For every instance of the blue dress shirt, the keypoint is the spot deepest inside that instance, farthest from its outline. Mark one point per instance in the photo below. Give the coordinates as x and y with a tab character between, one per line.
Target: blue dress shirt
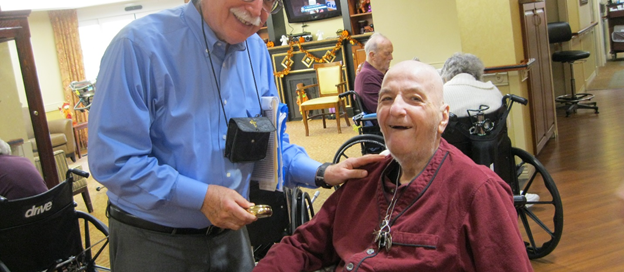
157	127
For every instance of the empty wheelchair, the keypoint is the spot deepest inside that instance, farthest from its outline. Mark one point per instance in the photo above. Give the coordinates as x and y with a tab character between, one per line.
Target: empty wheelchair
45	233
484	139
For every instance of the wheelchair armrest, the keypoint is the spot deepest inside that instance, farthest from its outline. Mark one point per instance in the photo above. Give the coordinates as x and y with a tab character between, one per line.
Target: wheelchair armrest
369	116
346	93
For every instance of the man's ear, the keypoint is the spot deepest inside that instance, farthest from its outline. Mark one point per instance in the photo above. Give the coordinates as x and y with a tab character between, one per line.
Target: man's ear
445	118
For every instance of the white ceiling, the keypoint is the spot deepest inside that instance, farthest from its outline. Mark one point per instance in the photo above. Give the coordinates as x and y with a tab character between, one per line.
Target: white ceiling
39	5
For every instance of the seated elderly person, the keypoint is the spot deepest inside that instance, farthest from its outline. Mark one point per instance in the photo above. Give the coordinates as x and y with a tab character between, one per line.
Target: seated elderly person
463	88
18	176
426	207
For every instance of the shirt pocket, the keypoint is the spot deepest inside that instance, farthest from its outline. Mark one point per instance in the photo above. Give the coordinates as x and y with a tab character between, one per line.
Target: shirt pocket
418	246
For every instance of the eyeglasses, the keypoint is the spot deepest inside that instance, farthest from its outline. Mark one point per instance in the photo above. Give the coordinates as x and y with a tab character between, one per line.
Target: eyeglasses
270	6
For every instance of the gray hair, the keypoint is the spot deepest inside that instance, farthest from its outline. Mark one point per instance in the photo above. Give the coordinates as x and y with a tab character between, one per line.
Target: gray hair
462	63
5	149
373	42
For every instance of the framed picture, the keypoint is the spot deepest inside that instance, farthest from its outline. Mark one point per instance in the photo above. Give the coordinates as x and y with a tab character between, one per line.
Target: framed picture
583	2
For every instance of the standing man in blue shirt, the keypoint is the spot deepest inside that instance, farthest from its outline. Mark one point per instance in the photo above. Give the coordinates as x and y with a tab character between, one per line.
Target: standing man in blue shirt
167	85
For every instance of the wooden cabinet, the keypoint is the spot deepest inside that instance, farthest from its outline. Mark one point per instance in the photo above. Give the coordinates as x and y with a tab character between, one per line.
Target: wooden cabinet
541	94
356	19
615	17
14	28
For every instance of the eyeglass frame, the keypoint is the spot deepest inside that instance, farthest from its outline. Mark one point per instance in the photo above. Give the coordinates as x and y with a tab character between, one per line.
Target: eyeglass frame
275	8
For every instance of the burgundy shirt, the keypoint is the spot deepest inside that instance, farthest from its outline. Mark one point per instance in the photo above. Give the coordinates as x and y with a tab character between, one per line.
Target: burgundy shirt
19	178
454	216
367	85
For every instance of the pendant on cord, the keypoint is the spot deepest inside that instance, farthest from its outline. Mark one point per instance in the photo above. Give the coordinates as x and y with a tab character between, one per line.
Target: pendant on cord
383	238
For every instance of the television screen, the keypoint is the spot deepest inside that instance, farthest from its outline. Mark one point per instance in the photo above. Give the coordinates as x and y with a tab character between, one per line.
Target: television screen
299	11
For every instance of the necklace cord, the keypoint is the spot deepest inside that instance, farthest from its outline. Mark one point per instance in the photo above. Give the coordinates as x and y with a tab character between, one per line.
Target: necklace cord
214	74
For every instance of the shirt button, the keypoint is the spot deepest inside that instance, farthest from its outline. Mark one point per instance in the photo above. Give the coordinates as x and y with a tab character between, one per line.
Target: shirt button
370	251
228	174
224	102
224	136
392	190
349	267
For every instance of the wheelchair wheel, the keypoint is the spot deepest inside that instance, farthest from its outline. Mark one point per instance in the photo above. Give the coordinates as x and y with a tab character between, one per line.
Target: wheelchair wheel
359	146
540	220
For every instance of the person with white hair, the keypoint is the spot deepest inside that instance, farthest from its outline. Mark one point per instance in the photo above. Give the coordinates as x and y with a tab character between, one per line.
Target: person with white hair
464	89
425	207
18	176
169	84
368	80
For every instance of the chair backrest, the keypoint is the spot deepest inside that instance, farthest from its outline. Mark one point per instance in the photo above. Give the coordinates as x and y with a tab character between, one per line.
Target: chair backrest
559	32
327	76
61	165
37	231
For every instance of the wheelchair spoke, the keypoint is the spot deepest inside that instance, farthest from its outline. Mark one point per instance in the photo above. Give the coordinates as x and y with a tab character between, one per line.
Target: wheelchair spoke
532	215
527	229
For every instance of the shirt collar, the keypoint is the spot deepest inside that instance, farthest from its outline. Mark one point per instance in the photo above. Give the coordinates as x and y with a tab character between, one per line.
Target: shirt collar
193	19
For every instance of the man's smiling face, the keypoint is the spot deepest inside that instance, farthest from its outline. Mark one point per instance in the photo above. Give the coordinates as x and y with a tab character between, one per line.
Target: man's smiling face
233	21
411	113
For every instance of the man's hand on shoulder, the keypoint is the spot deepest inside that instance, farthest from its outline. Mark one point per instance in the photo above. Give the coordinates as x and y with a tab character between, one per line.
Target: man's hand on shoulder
337	174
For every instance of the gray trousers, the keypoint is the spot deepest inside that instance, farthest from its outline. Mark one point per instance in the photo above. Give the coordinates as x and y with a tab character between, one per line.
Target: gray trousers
134	249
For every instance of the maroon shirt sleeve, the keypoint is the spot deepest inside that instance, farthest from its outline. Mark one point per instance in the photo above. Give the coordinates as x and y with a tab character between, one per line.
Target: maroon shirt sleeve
309	248
492	230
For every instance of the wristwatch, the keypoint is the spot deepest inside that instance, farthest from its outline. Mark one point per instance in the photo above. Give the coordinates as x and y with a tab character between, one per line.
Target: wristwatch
319	179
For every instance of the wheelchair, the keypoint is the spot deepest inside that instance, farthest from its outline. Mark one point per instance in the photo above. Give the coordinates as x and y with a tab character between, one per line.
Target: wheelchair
369	141
291	209
45	233
484	138
84	90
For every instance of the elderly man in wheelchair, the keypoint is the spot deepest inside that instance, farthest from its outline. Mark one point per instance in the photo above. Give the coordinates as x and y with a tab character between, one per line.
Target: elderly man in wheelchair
427	206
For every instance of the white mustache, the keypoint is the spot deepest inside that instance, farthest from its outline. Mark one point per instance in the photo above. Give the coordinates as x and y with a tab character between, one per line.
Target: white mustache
242	13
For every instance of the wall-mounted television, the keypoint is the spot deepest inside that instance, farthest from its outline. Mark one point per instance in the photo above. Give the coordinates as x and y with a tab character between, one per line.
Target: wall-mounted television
299	11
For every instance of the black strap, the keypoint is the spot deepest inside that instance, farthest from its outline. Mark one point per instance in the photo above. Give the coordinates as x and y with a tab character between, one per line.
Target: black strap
214	74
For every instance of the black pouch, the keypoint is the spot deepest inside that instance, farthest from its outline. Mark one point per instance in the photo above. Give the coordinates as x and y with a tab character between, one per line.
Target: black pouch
248	138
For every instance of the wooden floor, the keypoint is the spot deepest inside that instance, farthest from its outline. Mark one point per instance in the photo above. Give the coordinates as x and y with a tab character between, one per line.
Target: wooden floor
586	161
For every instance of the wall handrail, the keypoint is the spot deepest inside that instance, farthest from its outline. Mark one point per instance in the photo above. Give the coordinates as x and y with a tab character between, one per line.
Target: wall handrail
523	65
588	28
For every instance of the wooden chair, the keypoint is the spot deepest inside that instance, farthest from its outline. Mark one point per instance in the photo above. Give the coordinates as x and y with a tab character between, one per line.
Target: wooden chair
330	84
